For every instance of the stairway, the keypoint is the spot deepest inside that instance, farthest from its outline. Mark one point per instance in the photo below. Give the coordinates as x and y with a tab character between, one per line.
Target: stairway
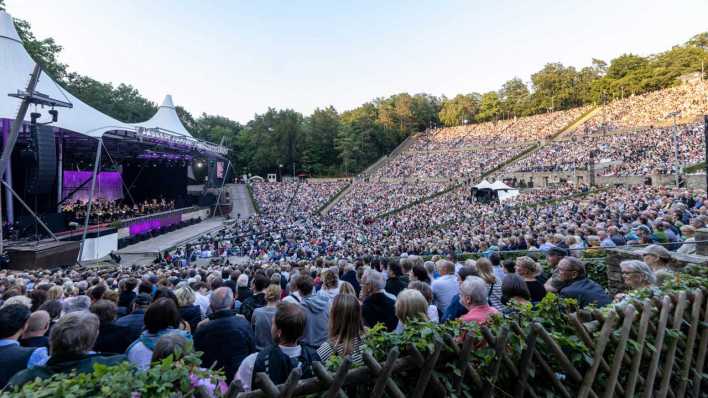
242	204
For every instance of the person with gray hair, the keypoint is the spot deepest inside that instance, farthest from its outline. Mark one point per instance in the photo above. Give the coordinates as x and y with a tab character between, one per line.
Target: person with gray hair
378	306
75	304
474	293
636	275
225	339
576	285
70	342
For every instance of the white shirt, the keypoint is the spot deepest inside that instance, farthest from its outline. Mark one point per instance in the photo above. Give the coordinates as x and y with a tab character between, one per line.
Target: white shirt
245	371
202	302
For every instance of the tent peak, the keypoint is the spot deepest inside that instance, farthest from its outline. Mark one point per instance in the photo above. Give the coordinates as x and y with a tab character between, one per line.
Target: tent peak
167	102
7	28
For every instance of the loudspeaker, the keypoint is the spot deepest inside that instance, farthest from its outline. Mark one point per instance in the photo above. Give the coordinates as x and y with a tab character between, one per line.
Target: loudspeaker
41	174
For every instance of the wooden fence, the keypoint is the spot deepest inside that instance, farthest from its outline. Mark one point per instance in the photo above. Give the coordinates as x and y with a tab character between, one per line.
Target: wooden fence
651	348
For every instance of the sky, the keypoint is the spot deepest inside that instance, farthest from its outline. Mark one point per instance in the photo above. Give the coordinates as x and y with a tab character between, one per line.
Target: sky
237	58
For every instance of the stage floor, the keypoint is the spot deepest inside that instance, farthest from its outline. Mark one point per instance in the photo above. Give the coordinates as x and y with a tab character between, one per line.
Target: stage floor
171	239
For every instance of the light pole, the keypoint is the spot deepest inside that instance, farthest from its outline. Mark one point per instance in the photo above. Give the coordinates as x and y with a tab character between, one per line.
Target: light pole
280	172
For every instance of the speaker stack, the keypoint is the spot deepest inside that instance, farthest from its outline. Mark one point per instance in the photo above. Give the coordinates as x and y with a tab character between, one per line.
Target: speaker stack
42	172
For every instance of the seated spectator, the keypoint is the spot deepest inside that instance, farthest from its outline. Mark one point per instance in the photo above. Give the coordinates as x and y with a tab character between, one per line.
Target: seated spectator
243	291
127	292
135	320
657	257
77	303
225	339
190	312
13	358
378	306
286	354
576	285
257	299
262	319
419	273
345	330
410	306
112	338
349	275
36	333
456	309
316	308
486	272
529	270
70	343
474	296
427	292
514	292
395	282
636	275
161	318
347	288
446	286
330	284
689	243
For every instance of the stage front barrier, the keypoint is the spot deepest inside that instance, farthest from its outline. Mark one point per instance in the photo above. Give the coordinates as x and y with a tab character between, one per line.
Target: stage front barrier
154	222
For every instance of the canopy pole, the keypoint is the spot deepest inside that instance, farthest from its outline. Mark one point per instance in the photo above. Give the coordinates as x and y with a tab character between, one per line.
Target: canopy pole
9	204
29	209
96	166
223	182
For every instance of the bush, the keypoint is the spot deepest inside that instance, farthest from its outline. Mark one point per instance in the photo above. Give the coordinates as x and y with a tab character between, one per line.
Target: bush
168	378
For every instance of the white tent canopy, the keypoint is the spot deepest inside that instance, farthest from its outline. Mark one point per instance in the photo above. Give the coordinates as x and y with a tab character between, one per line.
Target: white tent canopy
484	185
503	191
166	119
16	66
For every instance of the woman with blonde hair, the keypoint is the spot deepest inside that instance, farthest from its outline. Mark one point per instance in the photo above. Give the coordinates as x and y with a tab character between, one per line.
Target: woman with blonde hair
191	313
262	318
345	330
529	271
346	288
410	306
55	292
427	292
486	272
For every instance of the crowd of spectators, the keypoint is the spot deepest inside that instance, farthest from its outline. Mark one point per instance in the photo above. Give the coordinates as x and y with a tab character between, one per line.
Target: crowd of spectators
300	197
644	152
649	109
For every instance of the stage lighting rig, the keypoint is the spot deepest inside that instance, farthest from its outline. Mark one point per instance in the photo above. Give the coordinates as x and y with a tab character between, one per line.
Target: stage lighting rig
42	100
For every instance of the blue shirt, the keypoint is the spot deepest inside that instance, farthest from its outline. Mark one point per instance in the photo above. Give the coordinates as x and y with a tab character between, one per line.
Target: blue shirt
38	358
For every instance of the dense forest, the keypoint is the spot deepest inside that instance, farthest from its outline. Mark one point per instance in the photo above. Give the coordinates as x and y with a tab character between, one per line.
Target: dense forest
304	144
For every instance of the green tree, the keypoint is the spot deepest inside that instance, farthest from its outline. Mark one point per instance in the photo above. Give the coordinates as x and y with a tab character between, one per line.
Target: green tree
514	96
456	110
319	136
490	107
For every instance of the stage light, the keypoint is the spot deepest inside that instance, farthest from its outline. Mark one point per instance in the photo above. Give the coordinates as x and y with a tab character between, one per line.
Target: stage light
200	164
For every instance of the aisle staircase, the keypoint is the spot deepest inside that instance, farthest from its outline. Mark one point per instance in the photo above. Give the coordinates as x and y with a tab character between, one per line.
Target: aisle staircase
242	203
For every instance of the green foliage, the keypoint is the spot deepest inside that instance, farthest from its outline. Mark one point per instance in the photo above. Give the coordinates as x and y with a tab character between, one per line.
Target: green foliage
168	378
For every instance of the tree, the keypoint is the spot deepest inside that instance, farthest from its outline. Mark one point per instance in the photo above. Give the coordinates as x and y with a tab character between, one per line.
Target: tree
186	118
320	133
455	111
514	96
700	40
489	107
2	5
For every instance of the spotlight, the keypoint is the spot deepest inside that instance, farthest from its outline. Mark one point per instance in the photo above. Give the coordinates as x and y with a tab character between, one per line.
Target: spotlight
55	115
200	164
